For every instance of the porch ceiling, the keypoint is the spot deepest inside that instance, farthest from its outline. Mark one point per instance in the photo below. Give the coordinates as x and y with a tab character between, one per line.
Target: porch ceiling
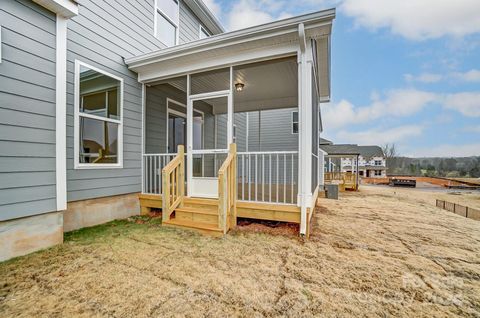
268	85
265	42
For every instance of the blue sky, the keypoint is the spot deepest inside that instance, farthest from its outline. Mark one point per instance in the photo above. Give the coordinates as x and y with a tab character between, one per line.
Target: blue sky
400	73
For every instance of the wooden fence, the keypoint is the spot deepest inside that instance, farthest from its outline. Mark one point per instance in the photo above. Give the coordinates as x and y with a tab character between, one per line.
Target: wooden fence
459	209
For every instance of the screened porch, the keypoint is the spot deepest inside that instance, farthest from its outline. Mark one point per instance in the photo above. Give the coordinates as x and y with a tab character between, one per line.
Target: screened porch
263	121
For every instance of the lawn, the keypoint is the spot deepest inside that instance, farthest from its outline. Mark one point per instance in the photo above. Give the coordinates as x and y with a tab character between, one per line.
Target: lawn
370	254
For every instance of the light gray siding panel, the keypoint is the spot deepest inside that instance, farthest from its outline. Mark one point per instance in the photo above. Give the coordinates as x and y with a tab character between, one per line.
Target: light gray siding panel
12	196
276	132
23	209
20	164
189	25
26	149
26	134
102	192
25	104
27	110
27	179
103	35
17	118
14	55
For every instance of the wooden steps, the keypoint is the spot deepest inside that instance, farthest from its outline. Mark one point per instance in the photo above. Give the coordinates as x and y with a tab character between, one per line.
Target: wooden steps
202	227
201	214
197	214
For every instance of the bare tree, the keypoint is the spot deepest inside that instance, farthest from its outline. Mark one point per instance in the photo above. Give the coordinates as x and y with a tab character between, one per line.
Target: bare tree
391	157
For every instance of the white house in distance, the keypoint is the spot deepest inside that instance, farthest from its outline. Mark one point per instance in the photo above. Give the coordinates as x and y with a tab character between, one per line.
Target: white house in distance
345	157
371	162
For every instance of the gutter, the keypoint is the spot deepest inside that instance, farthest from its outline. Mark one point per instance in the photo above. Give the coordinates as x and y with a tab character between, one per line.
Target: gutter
280	27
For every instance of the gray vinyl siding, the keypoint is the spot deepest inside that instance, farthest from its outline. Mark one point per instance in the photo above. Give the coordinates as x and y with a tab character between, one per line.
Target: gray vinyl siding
103	35
240	122
271	130
27	110
189	25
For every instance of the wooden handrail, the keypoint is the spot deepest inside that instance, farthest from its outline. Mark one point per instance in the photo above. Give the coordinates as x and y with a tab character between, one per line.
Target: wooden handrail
227	191
173	184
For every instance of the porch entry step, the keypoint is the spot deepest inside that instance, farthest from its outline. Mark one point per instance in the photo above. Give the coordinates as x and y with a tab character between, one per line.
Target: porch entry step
201	227
196	214
200	201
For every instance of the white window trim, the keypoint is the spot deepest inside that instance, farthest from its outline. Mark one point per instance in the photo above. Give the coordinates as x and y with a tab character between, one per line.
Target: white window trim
76	126
176	25
293	122
202	30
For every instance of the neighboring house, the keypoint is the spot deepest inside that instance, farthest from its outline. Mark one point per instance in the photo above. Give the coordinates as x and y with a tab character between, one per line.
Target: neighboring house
369	161
95	96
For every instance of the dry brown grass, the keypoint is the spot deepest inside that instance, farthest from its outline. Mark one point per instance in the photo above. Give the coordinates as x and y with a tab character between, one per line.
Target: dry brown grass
369	255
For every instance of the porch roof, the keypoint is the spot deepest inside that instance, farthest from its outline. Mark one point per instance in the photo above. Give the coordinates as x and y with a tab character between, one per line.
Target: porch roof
264	42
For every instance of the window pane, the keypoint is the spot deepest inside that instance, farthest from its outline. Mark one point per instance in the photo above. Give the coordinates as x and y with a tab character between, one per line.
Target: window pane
95	88
166	31
98	141
169	8
295	128
295	117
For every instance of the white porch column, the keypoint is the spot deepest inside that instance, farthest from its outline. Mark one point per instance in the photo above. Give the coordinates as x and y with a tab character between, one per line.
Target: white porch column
189	139
305	131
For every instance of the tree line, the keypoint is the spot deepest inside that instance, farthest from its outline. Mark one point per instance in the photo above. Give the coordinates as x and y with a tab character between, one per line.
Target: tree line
467	167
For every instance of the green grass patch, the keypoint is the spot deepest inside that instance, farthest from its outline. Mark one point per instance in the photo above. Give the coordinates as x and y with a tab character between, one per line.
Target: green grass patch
111	229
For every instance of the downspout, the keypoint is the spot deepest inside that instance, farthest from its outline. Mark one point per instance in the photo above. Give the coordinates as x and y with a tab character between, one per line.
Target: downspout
302	147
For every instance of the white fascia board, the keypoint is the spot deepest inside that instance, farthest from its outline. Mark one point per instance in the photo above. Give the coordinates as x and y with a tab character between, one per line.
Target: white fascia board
167	70
64	8
312	20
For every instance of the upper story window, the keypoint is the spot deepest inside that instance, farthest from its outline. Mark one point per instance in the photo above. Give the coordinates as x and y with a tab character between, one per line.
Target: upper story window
98	120
167	21
295	122
203	33
378	162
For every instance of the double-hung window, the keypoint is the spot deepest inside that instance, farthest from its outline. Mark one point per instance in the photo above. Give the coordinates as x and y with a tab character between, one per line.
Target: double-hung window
98	121
167	21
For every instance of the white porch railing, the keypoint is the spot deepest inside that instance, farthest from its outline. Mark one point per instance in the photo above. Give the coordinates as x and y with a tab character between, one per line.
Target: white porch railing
152	167
268	176
262	176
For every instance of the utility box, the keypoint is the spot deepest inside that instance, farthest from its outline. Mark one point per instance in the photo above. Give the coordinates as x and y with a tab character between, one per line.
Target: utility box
331	191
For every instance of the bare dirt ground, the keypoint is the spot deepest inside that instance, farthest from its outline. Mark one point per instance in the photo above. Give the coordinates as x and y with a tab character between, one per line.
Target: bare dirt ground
427	193
372	253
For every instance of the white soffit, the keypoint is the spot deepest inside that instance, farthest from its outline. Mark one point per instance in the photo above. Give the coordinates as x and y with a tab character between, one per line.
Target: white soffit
65	8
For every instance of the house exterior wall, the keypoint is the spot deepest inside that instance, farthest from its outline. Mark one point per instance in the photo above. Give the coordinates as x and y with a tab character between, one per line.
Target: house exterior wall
27	110
102	35
189	25
271	130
